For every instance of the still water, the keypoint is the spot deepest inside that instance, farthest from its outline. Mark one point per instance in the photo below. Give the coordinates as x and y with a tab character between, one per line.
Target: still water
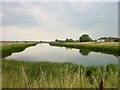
45	52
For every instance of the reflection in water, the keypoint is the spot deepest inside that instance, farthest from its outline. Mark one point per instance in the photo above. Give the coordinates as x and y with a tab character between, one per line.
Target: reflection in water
45	52
84	52
68	48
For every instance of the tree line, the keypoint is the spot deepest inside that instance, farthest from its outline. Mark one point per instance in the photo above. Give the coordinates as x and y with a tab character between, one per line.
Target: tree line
83	38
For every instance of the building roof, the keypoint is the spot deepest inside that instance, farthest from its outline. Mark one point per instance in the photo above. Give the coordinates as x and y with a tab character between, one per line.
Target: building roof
109	38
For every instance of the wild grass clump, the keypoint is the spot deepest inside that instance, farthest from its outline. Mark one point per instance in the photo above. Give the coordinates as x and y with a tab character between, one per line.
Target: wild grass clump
115	50
9	49
19	74
0	52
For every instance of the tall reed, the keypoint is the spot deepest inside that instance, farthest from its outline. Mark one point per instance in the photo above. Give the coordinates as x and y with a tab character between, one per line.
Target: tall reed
19	74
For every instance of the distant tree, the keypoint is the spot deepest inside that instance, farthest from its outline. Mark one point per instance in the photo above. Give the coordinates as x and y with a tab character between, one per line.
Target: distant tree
69	40
66	40
85	38
56	40
59	40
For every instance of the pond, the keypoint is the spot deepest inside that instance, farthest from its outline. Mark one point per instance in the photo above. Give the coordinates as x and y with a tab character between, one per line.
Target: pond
45	52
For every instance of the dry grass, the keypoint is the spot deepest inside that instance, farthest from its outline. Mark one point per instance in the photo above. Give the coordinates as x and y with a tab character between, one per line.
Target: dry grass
13	43
97	43
57	75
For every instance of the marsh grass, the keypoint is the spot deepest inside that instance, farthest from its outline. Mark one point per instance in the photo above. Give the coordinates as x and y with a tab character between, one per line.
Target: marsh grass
9	49
108	49
19	74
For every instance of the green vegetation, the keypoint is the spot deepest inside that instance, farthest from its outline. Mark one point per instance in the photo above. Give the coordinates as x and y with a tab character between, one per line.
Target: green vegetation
67	40
19	74
115	50
9	49
85	38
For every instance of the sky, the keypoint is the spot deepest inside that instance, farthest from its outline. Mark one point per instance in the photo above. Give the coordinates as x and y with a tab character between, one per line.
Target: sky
58	20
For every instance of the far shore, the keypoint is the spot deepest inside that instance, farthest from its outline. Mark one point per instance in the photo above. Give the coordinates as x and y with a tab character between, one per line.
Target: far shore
96	43
104	47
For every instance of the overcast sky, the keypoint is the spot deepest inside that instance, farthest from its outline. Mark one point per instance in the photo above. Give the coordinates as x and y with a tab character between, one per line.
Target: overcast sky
58	20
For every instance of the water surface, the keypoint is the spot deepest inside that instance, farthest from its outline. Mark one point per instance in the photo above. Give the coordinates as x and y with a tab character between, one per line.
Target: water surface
45	52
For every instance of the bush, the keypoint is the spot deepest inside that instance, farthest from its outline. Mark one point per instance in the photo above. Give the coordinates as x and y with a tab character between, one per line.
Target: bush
85	38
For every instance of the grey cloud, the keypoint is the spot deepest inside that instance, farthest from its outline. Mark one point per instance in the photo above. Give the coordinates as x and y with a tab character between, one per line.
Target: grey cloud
59	18
96	15
23	20
14	14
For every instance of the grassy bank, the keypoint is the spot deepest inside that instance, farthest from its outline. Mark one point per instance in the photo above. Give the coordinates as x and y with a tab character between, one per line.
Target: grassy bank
19	74
7	49
104	48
